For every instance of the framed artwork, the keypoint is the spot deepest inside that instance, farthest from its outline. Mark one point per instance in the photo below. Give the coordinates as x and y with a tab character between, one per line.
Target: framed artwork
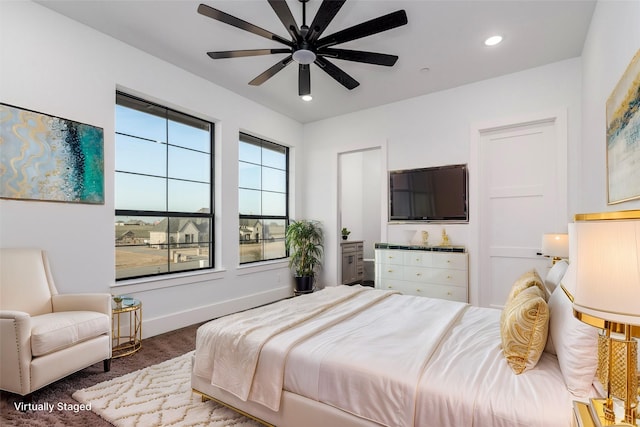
623	136
49	158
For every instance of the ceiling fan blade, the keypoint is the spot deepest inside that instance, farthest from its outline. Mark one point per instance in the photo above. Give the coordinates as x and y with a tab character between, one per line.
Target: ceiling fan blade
270	72
360	56
243	53
221	16
340	76
374	26
327	11
284	13
304	79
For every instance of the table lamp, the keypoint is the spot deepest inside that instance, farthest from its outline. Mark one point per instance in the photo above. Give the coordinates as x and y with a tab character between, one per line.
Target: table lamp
555	246
607	296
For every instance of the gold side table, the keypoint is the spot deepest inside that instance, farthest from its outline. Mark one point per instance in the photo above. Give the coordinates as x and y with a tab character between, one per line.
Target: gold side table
126	340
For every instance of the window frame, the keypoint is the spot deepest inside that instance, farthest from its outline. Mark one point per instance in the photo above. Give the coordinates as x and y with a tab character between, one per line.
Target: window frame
262	143
170	114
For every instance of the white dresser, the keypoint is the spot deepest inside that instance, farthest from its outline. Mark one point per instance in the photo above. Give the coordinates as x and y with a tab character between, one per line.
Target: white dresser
428	272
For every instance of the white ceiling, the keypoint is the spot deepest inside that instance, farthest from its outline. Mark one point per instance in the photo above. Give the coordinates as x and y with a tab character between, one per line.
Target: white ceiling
445	36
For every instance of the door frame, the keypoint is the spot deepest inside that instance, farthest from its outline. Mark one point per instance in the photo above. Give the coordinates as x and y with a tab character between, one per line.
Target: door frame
476	221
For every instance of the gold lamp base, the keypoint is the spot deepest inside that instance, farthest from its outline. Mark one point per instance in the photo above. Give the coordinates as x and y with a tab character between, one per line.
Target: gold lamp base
601	415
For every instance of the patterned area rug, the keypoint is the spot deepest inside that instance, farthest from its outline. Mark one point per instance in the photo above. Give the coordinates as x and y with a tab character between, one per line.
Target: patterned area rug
159	395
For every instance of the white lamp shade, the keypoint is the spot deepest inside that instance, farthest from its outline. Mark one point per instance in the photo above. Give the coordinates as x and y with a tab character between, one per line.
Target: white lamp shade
555	245
608	270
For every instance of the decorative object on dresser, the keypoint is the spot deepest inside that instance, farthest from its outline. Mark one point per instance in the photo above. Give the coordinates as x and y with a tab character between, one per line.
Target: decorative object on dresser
304	240
352	262
607	296
555	246
430	271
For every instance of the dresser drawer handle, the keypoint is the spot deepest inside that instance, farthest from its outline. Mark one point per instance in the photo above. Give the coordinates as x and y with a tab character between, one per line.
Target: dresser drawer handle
449	293
389	271
418	290
389	286
448	277
418	274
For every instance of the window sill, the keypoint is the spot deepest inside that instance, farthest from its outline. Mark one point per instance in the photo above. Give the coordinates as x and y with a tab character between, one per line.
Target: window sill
262	266
161	282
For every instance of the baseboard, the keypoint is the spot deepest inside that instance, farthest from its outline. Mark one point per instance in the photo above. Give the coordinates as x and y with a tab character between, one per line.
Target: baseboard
173	321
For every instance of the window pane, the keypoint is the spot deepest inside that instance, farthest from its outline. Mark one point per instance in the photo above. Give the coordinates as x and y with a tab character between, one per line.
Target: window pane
274	204
275	158
274	180
135	255
140	193
186	196
156	179
249	152
140	156
140	124
189	132
189	164
274	247
250	176
250	202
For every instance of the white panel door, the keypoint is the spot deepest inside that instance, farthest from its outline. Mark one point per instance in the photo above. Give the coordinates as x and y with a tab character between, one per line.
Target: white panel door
522	195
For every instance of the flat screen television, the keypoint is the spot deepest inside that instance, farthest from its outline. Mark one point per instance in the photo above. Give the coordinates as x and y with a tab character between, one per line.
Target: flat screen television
437	194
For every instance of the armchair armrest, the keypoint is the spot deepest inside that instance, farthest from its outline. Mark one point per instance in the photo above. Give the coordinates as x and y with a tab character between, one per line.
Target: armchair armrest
82	302
15	351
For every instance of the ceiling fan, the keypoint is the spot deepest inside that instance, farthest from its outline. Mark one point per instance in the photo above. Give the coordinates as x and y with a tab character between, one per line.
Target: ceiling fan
306	46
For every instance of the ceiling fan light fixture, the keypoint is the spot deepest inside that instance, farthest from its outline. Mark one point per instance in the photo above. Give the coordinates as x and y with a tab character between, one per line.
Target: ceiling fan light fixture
304	56
493	40
306	98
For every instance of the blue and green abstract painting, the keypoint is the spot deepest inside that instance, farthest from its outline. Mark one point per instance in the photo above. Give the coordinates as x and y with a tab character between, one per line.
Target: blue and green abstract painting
48	158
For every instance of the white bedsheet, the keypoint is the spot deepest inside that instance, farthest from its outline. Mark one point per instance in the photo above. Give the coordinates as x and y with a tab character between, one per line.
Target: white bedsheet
468	382
369	364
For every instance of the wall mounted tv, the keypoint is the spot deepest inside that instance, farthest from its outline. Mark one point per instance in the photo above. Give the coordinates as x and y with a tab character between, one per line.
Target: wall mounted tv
436	194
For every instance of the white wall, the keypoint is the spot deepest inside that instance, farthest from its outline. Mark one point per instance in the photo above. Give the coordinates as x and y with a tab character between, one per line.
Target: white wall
54	65
432	130
613	39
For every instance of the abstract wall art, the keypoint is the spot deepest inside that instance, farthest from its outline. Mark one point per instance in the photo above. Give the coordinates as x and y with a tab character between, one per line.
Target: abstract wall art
623	136
49	158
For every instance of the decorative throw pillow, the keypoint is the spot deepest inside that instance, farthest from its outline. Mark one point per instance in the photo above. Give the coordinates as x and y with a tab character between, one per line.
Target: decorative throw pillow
523	328
528	279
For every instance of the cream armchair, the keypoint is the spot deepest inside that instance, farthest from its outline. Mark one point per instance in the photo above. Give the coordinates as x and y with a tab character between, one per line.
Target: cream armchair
45	336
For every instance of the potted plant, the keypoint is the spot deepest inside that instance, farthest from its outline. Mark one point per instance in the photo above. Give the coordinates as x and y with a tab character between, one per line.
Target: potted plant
303	240
345	233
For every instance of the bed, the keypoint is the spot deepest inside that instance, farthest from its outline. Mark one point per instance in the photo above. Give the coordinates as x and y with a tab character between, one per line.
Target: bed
357	356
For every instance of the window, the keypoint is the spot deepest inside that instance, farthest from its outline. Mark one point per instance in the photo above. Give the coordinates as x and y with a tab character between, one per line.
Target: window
263	199
163	190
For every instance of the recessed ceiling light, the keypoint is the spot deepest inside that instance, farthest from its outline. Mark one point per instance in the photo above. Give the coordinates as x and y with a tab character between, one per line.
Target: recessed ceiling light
306	98
493	40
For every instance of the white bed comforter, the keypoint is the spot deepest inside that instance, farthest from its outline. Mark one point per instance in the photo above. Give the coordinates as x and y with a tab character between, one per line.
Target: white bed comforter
235	342
329	347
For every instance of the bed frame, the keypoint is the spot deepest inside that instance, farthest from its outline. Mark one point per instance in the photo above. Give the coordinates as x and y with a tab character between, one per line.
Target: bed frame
295	410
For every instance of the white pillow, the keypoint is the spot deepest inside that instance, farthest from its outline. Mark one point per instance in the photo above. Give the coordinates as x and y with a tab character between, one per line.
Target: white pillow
554	276
575	343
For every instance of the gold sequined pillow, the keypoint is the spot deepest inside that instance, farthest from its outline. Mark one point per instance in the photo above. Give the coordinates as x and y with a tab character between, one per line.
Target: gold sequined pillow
523	328
528	279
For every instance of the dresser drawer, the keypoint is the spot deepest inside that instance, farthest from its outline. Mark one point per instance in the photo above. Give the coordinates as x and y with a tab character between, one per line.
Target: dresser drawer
390	257
449	277
449	260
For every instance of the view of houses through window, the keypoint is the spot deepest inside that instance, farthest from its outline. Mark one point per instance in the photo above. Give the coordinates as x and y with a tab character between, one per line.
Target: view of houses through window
263	199
163	190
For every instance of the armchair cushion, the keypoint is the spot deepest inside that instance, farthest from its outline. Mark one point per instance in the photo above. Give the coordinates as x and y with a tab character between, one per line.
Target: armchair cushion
55	331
